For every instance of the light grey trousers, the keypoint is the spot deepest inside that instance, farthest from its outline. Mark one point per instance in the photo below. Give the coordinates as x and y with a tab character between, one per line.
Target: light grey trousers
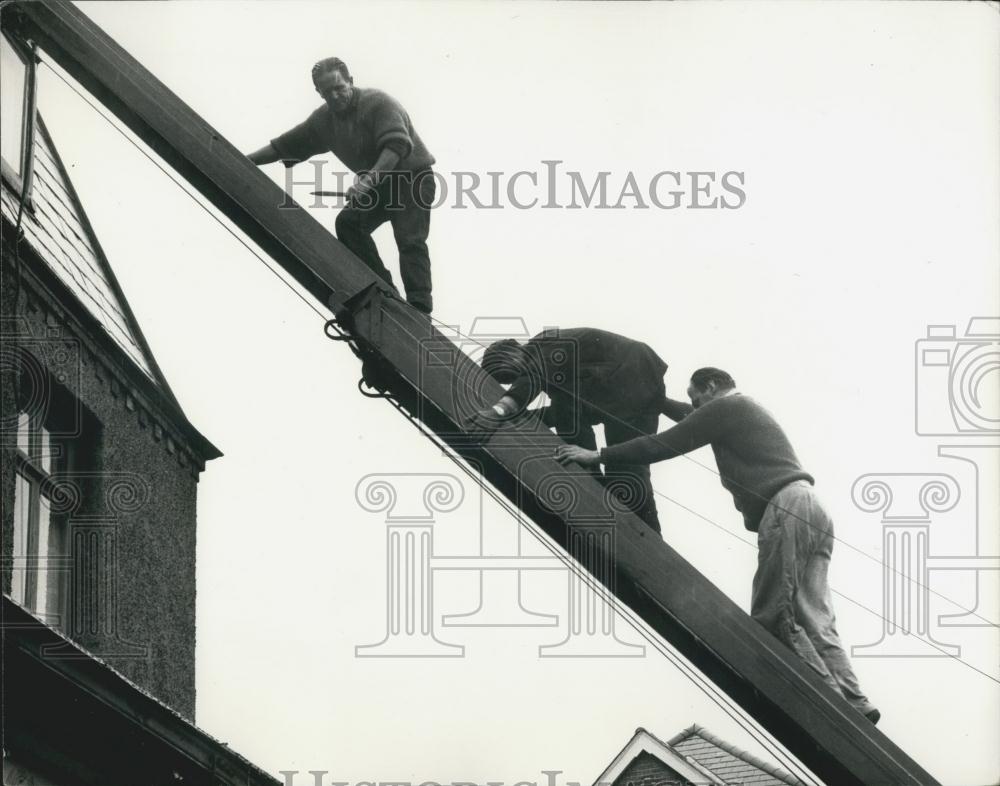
791	597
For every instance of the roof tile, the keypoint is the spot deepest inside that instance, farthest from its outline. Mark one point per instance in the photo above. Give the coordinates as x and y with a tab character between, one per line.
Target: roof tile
58	232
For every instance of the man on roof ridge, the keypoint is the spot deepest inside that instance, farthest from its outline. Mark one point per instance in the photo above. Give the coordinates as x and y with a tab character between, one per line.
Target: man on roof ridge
757	464
371	133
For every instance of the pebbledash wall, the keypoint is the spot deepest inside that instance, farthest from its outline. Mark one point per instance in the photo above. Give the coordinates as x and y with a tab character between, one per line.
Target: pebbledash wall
117	574
132	499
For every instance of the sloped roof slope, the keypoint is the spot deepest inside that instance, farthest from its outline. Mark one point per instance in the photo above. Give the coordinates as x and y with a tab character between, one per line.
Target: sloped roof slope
696	756
728	762
58	229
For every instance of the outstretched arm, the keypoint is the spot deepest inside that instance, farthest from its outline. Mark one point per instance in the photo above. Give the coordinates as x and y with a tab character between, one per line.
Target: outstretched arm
676	410
295	145
266	155
488	419
698	429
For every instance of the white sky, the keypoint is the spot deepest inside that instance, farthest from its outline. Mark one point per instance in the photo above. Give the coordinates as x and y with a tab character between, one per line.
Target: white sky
867	134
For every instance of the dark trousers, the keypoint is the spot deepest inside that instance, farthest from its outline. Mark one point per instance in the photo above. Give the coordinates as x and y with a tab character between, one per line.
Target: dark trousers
405	201
630	483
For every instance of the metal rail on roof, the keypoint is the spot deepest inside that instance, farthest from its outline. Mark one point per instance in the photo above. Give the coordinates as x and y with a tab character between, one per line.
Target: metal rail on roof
437	382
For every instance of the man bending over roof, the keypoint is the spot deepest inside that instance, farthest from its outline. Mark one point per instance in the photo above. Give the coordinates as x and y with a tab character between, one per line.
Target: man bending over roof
590	376
790	596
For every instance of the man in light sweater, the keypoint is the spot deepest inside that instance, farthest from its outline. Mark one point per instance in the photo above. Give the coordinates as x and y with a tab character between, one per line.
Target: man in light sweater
757	464
371	133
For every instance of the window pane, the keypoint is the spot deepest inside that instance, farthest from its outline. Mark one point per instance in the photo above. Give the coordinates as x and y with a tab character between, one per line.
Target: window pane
42	605
22	495
24	432
12	82
46	451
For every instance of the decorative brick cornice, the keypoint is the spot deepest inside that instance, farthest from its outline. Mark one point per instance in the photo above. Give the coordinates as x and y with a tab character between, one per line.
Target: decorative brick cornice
40	313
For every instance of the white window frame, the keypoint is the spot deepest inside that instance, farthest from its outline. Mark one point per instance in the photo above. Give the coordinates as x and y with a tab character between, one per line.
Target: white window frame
36	459
21	181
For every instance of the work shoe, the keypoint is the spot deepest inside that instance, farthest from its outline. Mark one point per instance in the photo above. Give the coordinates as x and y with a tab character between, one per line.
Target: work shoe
874	716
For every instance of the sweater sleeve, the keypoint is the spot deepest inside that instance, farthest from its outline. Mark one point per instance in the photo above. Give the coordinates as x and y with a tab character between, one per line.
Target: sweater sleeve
399	147
698	429
390	126
300	143
676	410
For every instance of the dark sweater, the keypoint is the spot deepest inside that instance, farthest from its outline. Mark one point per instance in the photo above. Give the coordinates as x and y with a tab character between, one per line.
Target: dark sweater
357	136
754	456
595	372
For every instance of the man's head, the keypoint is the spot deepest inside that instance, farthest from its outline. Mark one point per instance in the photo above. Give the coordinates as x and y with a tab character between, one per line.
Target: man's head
334	83
709	383
504	360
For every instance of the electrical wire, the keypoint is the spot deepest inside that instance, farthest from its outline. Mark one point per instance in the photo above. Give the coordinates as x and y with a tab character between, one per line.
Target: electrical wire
311	306
198	202
733	710
611	417
709	689
718	697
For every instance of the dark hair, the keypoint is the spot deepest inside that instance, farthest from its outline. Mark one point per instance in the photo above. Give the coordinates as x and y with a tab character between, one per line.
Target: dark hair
703	376
501	357
330	64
